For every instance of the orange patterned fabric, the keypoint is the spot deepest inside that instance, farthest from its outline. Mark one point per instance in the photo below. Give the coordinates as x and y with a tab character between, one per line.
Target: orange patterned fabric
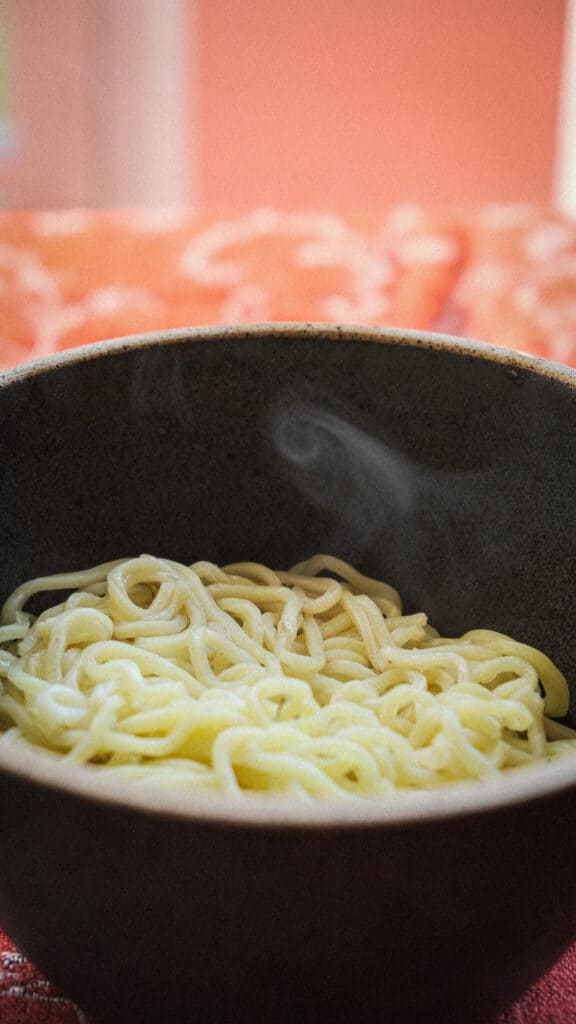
500	274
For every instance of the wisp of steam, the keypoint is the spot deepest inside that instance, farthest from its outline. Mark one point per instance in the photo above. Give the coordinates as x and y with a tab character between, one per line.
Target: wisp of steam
344	470
380	508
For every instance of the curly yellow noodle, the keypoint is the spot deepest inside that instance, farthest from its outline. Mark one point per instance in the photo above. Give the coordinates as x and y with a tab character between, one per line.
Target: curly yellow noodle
225	680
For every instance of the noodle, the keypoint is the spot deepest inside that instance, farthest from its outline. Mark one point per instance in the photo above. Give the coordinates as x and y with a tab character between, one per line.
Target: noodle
240	678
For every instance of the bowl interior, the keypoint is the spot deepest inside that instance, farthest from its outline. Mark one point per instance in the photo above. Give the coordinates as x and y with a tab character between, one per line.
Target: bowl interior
447	470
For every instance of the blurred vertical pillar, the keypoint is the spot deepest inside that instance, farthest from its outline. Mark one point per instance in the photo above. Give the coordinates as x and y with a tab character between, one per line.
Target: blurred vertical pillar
565	180
101	107
140	51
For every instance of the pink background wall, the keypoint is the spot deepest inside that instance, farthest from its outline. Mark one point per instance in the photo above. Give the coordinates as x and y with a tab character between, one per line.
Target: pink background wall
361	102
49	46
331	103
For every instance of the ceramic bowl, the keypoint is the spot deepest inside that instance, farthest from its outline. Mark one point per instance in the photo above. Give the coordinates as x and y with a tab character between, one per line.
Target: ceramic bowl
444	467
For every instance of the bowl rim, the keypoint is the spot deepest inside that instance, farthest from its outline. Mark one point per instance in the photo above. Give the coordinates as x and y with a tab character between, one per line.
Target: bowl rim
294	330
46	770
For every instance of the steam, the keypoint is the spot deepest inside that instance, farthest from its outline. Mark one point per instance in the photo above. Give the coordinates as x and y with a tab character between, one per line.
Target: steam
157	386
391	514
344	470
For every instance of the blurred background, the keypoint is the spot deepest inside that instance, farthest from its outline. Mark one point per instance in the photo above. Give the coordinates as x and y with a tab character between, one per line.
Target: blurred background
340	104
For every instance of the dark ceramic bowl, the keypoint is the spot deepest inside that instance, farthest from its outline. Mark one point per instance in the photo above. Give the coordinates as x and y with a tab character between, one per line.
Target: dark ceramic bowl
448	469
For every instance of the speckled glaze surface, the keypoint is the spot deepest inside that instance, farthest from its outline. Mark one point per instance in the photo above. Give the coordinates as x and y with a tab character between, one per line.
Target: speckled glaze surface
448	469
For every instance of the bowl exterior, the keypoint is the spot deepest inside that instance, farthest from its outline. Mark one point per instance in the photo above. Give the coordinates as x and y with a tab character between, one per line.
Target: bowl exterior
163	920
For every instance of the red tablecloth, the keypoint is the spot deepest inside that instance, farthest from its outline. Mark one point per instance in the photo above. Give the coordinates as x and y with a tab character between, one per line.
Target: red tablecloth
501	274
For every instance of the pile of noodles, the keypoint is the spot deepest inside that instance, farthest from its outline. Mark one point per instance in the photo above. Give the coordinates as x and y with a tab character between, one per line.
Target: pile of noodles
241	678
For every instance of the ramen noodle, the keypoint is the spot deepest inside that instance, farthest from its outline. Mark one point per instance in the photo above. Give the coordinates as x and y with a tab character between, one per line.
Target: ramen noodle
310	683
